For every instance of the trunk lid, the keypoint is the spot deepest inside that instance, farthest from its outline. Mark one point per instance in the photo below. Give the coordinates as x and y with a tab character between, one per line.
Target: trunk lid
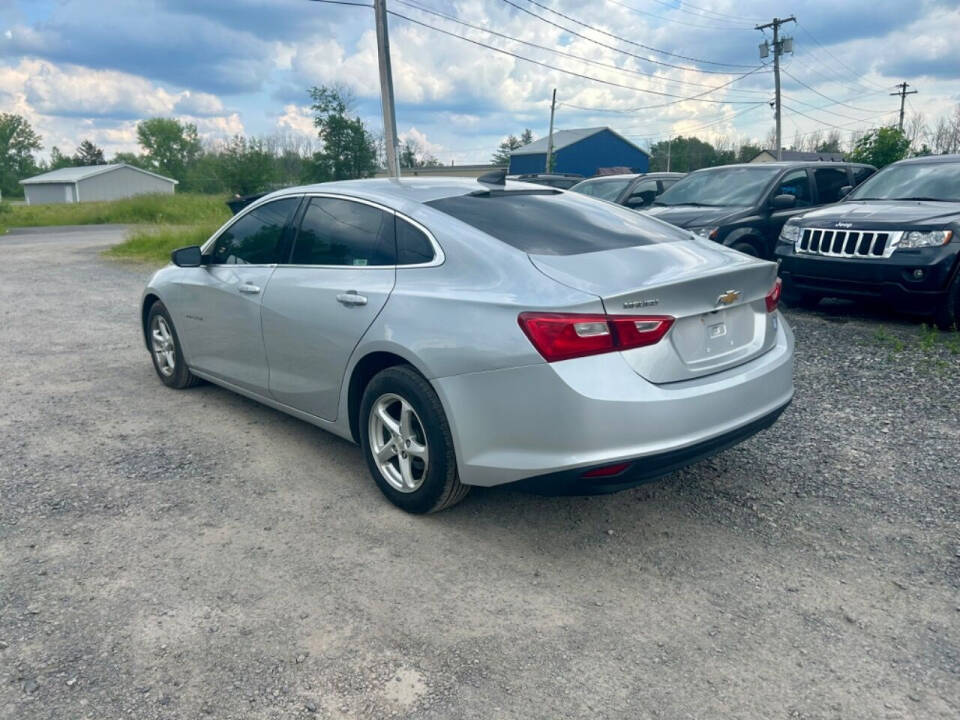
685	280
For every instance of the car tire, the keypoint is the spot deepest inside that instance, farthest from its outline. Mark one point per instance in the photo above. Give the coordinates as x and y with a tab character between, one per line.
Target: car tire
747	248
947	313
796	299
407	443
165	350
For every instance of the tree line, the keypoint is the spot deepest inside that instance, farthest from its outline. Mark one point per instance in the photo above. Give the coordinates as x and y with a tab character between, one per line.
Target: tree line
344	148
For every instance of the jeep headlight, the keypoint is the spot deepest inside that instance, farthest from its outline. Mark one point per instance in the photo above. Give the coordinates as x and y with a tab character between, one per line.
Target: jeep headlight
791	232
708	233
917	239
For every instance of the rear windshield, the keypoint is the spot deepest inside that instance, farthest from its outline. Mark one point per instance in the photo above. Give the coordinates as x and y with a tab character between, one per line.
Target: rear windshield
556	223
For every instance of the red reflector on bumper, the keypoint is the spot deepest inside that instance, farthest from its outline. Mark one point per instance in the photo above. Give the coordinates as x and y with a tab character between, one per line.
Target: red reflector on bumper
606	470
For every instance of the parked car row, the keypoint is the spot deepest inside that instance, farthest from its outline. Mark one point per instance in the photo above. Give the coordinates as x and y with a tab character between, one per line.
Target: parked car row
837	229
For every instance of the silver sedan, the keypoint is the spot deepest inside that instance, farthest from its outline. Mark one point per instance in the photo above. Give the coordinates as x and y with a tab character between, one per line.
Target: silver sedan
469	333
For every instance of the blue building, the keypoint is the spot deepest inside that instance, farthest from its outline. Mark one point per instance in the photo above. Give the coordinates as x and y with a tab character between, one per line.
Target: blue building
582	151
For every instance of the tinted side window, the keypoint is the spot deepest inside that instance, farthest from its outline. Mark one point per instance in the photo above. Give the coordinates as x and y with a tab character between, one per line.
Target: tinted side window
829	181
664	184
645	190
255	238
796	183
860	174
413	247
343	232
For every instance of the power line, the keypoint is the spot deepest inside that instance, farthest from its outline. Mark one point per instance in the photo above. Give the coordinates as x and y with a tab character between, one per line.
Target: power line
579	58
343	2
670	133
621	39
825	97
823	107
827	51
838	127
705	10
679	22
680	98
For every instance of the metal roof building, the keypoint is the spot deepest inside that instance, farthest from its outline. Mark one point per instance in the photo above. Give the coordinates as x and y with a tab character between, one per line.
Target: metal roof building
93	183
583	151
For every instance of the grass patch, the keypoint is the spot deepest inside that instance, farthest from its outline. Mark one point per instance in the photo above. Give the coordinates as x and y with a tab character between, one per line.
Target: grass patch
162	222
153	243
184	209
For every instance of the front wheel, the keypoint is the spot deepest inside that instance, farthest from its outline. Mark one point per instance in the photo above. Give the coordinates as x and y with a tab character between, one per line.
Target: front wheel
947	314
165	350
407	443
747	248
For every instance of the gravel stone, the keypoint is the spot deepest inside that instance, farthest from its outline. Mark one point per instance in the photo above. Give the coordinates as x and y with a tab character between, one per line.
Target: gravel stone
724	595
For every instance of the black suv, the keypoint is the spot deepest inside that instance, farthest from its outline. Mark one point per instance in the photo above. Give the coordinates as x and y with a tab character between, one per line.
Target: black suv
895	238
745	206
635	191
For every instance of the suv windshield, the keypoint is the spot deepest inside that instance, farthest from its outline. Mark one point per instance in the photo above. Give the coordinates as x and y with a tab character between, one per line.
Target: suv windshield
913	181
607	189
555	223
721	187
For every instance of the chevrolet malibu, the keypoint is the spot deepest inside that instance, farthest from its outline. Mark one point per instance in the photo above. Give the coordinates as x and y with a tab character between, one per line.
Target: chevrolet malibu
479	334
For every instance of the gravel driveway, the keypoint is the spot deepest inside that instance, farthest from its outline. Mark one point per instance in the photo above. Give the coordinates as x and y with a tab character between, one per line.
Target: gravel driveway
192	554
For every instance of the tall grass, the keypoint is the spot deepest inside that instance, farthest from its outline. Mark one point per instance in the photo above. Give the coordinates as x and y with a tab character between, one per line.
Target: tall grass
163	222
184	209
153	243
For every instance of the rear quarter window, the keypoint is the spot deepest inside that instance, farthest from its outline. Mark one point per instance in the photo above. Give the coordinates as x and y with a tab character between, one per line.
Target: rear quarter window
556	223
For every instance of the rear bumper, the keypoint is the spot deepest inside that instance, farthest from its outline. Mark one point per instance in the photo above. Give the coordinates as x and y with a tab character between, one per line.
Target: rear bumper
647	468
890	280
560	419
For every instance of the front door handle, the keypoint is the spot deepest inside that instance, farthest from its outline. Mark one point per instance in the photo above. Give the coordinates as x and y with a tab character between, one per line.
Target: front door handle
249	288
351	298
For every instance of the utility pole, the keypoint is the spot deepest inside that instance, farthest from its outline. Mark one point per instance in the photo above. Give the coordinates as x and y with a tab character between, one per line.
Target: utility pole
386	88
553	109
903	98
778	47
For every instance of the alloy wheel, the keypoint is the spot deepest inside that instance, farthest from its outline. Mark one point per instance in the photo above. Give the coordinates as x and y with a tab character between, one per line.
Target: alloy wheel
164	348
398	443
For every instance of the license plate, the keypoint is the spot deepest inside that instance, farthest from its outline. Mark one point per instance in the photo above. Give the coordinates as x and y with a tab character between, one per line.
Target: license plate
716	330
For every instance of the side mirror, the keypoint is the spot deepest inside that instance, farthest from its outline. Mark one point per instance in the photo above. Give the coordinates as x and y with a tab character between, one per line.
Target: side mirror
187	256
845	190
640	199
783	202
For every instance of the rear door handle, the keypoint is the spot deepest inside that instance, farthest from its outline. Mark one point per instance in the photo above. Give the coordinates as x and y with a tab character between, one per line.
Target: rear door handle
249	289
351	298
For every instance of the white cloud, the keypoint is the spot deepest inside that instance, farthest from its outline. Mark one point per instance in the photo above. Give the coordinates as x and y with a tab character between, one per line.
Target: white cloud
298	120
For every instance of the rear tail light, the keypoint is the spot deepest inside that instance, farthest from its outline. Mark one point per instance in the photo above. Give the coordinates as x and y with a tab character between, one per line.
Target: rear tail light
773	297
562	336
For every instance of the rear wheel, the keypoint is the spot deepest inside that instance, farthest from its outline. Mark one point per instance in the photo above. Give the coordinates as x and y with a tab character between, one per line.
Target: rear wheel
947	314
747	248
165	350
407	443
797	298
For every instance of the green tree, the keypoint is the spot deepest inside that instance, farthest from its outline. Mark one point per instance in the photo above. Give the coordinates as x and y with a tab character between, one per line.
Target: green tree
59	160
748	152
685	154
247	166
129	158
412	155
88	154
881	146
18	142
169	146
349	150
832	143
509	144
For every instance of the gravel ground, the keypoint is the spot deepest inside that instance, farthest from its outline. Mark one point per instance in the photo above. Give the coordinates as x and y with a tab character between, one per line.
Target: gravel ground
192	554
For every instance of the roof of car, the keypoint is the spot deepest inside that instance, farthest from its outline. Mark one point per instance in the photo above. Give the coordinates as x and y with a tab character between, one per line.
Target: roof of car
788	164
636	175
932	159
411	189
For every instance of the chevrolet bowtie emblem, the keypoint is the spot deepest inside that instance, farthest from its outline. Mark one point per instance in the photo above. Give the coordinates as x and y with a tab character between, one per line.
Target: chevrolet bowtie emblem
729	297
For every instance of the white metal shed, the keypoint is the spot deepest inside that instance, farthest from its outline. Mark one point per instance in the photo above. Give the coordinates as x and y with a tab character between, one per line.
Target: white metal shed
93	183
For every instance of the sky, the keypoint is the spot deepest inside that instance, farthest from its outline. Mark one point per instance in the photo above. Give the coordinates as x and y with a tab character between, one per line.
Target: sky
90	69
